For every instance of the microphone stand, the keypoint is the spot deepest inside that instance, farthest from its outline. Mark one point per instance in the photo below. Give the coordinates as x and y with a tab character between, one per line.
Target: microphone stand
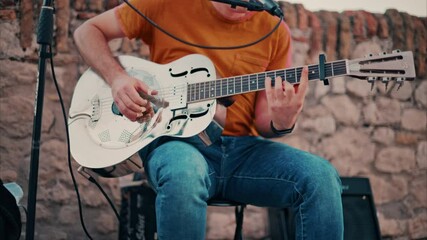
44	38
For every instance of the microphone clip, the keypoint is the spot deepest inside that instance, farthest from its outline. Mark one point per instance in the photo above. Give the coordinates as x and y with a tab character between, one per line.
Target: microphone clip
254	5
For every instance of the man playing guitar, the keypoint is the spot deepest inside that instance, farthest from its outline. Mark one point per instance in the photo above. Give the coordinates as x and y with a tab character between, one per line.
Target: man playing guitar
240	163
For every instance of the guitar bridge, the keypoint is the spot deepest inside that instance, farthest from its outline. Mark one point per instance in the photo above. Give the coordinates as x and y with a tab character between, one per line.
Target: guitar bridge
96	109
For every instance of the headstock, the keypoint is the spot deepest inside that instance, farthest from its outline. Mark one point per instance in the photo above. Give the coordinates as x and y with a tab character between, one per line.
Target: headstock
396	66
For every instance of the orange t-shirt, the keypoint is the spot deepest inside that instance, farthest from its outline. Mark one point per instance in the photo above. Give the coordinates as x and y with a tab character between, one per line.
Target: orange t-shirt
197	21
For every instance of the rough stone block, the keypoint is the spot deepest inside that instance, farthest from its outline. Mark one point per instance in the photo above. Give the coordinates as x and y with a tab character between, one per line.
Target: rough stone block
414	119
26	23
343	109
7	14
388	189
421	94
422	155
395	160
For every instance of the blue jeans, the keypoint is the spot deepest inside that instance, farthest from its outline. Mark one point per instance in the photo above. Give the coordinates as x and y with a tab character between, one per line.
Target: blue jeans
185	174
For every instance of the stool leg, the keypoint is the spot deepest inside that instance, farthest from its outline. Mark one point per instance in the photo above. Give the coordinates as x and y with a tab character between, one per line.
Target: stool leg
238	235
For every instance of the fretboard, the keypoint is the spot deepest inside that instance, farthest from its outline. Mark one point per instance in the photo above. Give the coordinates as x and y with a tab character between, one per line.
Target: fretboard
255	82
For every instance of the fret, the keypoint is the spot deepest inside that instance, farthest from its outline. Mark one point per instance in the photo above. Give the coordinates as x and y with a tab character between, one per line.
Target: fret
238	85
271	75
328	70
192	92
298	74
197	91
281	74
207	89
295	76
261	80
332	65
290	74
212	88
252	82
313	72
241	85
202	90
224	87
188	91
245	83
217	88
230	86
284	75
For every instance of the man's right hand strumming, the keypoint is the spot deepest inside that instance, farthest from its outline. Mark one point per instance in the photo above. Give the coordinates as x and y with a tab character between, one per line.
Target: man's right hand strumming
126	93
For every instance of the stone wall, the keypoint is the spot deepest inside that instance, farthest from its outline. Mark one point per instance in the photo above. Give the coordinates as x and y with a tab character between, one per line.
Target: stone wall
380	134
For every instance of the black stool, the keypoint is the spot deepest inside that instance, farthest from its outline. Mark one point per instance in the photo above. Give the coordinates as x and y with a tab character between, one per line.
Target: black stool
239	209
138	199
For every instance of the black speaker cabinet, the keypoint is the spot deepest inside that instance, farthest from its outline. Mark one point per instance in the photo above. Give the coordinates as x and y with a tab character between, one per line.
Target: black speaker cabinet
137	213
360	218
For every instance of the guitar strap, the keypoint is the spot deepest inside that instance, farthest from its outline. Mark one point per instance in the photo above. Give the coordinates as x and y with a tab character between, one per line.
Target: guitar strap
211	134
226	101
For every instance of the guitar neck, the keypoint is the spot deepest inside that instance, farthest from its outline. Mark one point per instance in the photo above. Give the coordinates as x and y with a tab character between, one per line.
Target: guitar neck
231	86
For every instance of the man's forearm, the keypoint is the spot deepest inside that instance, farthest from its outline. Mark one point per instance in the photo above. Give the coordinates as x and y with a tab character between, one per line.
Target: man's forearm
96	52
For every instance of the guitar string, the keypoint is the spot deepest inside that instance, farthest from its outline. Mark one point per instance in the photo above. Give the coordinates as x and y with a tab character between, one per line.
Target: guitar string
206	91
341	66
247	81
250	76
198	92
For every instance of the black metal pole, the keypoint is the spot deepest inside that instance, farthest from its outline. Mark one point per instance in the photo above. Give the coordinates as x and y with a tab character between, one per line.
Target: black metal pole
44	38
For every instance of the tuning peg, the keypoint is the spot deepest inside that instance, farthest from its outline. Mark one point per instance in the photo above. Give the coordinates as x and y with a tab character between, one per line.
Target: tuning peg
386	86
372	86
369	55
400	82
396	51
385	80
400	85
372	79
383	53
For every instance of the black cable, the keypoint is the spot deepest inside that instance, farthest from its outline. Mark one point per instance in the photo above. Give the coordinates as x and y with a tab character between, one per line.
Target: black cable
106	196
202	46
68	144
91	179
25	210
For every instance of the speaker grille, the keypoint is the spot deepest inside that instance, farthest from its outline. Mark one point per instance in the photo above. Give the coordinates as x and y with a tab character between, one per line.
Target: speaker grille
359	222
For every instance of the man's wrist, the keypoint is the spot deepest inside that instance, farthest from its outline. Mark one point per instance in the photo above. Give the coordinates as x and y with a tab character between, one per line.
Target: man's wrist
282	132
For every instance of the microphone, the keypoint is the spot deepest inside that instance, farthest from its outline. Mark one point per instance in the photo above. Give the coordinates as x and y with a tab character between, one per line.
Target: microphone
270	6
273	8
